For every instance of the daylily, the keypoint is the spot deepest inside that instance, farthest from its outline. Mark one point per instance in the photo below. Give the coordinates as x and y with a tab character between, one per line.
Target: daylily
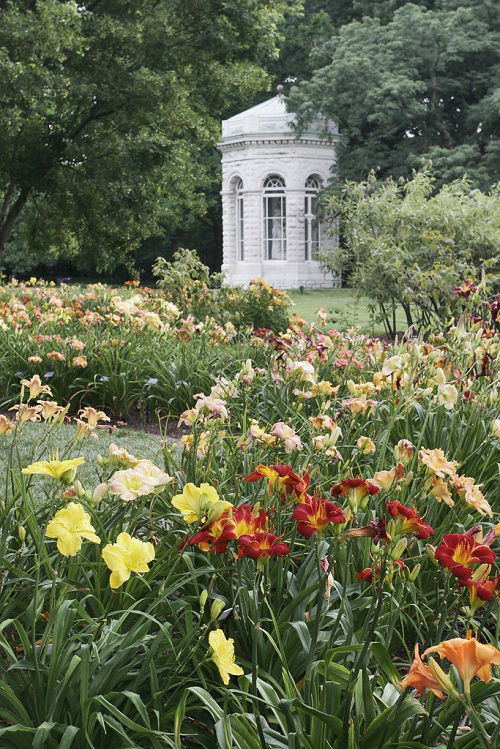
386	479
216	535
92	416
26	413
437	463
366	445
461	551
407	521
470	658
447	396
281	478
70	525
6	426
439	489
196	501
420	677
51	411
288	435
223	655
145	478
471	494
404	451
125	556
54	468
376	529
247	520
261	546
316	514
480	588
357	491
35	387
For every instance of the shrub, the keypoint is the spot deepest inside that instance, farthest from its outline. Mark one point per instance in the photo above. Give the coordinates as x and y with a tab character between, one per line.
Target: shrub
412	247
188	283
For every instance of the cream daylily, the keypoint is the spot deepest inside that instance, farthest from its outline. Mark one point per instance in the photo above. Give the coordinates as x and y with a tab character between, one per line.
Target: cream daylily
145	478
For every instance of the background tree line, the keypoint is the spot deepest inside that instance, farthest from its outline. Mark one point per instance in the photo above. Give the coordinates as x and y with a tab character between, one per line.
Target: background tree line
110	111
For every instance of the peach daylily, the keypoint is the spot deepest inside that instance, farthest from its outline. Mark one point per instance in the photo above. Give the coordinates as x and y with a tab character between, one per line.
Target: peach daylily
92	415
35	387
470	658
420	677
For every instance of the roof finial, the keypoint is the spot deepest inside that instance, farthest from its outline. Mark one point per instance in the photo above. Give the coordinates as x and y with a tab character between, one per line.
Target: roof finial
280	89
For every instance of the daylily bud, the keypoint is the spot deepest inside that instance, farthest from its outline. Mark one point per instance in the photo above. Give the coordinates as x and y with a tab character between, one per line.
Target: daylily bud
99	492
414	573
203	600
68	477
481	572
103	462
21	532
217	607
79	490
399	549
442	679
431	553
216	510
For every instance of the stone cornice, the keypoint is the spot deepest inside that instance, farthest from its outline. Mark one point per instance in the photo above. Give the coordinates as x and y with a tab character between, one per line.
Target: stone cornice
240	144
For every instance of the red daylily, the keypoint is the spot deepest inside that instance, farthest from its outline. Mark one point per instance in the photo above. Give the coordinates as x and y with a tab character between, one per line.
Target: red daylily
407	520
246	520
262	545
460	551
376	529
216	535
315	514
367	574
465	289
281	478
482	590
357	491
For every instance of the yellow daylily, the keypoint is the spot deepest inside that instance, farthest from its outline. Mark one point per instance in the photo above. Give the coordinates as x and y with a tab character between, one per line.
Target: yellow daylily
196	501
55	468
70	525
125	556
223	655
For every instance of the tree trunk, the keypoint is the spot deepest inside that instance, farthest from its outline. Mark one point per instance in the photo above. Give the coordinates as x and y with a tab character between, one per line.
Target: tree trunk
9	214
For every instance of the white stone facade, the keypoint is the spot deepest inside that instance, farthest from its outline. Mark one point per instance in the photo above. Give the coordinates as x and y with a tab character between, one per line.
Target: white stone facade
271	233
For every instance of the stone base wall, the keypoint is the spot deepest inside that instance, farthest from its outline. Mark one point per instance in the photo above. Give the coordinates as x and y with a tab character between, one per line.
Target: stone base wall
281	275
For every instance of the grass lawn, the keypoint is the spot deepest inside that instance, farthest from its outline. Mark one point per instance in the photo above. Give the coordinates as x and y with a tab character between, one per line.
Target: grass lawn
344	309
32	445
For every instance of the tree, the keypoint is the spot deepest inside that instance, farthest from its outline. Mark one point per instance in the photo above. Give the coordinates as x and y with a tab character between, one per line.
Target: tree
105	108
420	83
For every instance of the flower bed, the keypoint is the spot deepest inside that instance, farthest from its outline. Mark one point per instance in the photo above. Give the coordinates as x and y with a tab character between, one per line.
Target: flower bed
314	565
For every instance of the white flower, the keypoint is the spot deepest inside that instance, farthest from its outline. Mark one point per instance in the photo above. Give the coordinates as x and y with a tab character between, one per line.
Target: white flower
447	396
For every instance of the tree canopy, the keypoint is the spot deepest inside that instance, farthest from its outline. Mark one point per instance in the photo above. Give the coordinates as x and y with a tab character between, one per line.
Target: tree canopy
410	83
105	108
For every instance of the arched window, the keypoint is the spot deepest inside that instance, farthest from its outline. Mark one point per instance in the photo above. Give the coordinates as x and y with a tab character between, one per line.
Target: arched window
274	218
311	226
240	219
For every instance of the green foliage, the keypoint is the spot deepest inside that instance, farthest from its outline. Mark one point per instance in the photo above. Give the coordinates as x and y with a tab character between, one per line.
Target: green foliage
410	83
105	109
411	247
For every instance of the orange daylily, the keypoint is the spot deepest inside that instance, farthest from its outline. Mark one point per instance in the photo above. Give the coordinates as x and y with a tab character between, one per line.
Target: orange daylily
470	658
421	677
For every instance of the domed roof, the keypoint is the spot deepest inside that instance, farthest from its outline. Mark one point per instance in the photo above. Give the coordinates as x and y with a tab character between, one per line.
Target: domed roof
270	119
